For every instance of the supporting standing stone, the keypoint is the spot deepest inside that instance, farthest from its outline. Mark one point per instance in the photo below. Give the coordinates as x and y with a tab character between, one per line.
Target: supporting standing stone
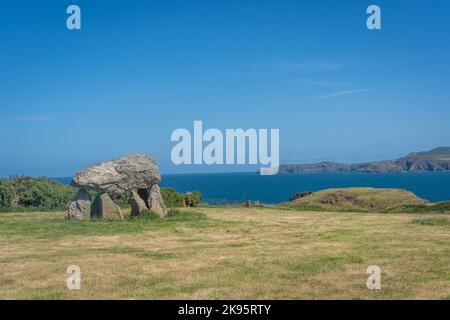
137	204
80	208
104	208
156	202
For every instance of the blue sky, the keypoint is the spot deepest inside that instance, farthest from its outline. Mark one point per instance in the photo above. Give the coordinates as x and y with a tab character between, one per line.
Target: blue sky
140	69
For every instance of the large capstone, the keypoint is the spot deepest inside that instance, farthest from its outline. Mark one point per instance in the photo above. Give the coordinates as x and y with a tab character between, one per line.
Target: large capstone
104	208
135	171
80	207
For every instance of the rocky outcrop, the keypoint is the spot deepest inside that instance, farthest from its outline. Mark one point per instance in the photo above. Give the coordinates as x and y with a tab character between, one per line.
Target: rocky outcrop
137	204
300	195
133	172
80	207
105	208
155	201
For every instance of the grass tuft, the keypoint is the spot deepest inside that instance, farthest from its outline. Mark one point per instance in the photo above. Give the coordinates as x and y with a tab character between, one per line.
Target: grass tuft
146	215
179	215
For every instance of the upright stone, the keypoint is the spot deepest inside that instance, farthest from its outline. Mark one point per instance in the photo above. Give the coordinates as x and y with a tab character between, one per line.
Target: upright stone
137	204
156	202
80	208
105	208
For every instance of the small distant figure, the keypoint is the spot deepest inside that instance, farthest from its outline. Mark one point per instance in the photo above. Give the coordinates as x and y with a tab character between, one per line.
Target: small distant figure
247	203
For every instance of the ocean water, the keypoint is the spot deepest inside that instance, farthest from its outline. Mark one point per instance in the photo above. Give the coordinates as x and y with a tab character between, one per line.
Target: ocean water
219	188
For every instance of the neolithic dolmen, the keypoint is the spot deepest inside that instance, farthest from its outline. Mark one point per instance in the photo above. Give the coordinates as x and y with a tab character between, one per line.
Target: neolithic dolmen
136	173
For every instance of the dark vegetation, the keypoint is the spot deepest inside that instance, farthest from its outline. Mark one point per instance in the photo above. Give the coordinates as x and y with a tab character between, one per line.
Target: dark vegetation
192	199
174	199
28	194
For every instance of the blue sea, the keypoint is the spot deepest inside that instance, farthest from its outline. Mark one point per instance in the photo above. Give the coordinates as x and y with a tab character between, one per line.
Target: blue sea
220	188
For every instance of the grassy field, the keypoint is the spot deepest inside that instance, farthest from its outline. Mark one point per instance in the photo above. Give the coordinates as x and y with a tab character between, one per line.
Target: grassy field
230	253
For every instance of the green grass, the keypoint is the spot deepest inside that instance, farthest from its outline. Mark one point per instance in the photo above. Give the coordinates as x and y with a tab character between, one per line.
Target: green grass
432	221
53	225
441	207
226	253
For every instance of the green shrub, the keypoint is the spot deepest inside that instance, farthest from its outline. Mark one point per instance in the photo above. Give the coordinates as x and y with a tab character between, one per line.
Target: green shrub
41	193
6	194
172	199
192	199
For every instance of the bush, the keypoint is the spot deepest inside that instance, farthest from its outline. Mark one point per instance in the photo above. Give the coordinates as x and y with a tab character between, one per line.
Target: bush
6	194
172	199
192	199
41	193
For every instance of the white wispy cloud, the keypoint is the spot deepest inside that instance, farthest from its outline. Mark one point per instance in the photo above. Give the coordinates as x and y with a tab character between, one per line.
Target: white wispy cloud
32	118
310	67
320	83
313	67
339	94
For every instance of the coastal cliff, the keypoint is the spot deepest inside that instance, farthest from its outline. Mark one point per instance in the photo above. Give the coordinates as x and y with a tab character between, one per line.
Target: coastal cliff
427	161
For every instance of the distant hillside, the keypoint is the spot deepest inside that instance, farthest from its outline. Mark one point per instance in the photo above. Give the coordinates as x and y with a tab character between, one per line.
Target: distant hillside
434	160
356	199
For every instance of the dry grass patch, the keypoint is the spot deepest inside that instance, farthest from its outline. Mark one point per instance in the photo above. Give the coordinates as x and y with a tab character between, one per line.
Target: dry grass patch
236	253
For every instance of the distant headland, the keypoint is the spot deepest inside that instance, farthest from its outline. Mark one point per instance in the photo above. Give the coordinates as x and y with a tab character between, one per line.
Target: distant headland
434	160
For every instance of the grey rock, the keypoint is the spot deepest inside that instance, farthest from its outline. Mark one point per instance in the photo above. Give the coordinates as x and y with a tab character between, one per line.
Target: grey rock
80	207
104	208
156	202
137	204
300	195
135	171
